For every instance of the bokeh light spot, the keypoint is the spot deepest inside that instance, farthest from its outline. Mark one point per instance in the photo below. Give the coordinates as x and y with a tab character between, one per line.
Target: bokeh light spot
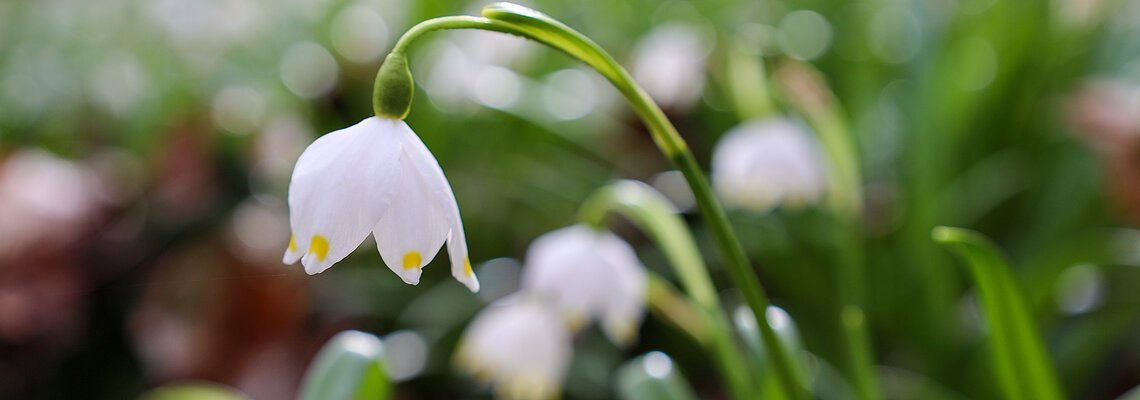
894	35
359	34
658	365
569	94
406	353
308	70
804	34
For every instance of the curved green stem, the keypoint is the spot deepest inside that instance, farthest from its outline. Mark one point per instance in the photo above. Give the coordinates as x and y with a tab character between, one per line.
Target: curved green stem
521	21
671	306
656	217
450	22
558	35
810	95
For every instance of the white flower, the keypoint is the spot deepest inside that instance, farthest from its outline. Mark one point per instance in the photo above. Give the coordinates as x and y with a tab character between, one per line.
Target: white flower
375	176
520	346
40	195
669	63
589	274
764	163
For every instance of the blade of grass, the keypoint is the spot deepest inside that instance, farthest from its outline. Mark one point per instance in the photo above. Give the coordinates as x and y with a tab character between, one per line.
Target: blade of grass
1024	369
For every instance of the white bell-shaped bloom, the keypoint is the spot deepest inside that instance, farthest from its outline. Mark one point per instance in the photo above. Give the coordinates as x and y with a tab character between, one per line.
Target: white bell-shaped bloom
520	346
669	63
589	274
764	163
374	177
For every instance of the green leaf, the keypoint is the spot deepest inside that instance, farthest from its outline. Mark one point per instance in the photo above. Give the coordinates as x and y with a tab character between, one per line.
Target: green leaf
193	391
1023	367
653	377
349	366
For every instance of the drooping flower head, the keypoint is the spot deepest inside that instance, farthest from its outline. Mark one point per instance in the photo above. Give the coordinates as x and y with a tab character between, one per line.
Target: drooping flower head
520	346
589	274
374	177
765	163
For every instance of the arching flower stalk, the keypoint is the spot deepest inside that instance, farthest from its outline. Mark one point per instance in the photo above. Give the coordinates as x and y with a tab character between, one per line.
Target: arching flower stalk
332	214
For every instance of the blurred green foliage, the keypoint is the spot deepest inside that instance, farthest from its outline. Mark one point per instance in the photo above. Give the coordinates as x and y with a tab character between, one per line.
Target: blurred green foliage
965	113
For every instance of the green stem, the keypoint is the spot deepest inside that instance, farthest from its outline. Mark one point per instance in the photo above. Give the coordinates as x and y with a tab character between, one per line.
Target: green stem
746	83
672	307
859	352
521	21
656	216
811	96
450	22
668	304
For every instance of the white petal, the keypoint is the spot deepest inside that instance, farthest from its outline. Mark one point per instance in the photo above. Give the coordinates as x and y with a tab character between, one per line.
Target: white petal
562	267
763	163
587	274
341	186
412	231
626	305
444	201
518	345
292	253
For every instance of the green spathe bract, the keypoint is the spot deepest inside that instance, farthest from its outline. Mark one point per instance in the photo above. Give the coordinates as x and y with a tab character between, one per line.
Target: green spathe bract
392	95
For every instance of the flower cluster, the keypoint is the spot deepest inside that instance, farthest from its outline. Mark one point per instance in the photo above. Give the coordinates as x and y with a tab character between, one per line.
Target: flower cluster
573	276
377	177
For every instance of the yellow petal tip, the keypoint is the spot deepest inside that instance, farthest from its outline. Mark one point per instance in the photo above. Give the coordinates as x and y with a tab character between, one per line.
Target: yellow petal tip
319	247
413	259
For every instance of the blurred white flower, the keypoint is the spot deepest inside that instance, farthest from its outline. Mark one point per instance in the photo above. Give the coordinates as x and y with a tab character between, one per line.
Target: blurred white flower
669	63
518	345
39	194
764	163
588	274
375	176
